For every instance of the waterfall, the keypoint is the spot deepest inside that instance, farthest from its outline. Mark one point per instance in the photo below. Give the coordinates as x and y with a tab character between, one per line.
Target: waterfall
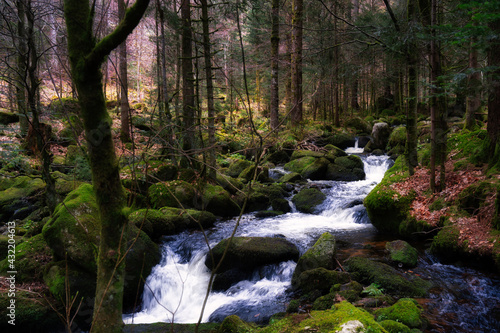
176	287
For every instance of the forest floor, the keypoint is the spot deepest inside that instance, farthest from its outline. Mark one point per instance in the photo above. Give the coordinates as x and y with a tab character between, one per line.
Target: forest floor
476	231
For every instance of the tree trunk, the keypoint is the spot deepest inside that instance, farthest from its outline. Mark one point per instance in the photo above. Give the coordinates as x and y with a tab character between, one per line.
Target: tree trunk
411	118
210	91
86	57
124	106
21	68
493	126
296	67
275	43
473	88
188	107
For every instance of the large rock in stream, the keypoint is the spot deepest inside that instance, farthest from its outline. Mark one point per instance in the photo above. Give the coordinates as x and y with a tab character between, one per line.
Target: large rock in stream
246	254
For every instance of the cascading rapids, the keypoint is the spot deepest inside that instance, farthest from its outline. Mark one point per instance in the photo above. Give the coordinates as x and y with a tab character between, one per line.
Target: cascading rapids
176	287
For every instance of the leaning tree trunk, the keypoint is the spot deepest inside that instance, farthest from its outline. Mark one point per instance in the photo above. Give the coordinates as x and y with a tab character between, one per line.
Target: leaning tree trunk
86	57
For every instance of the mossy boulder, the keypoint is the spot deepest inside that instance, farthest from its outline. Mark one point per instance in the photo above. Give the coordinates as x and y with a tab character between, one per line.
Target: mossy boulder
281	205
188	218
380	136
218	201
262	174
361	125
8	118
278	157
16	193
306	153
32	256
308	199
177	193
446	244
397	141
393	326
316	170
291	177
153	222
349	162
248	253
386	208
402	253
321	279
299	164
321	254
230	184
343	317
339	173
340	140
32	313
392	281
233	324
406	311
73	234
236	167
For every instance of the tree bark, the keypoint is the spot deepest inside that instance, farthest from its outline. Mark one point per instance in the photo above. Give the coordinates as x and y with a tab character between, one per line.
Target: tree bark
86	57
296	68
411	118
493	126
188	97
124	105
21	68
275	42
210	91
473	89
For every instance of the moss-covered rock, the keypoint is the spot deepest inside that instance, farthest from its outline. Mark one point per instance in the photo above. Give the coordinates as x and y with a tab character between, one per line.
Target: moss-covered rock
368	271
32	256
380	135
321	254
236	167
291	177
299	164
218	201
316	170
397	141
8	118
278	157
361	125
340	140
406	311
307	199
177	193
393	326
402	253
306	153
474	196
386	208
31	313
230	184
233	324
343	316
281	205
73	234
248	253
320	279
446	244
248	174
16	193
349	162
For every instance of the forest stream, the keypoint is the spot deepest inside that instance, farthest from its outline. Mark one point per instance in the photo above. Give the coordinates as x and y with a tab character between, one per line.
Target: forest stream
465	300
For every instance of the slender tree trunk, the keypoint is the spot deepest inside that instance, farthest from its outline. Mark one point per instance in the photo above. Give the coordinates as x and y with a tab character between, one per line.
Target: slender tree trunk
21	68
296	68
124	106
275	43
411	118
188	98
473	88
86	57
493	126
210	90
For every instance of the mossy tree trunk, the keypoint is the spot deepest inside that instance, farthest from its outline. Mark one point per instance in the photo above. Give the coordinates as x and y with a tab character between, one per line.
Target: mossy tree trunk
296	58
493	126
275	42
86	57
124	105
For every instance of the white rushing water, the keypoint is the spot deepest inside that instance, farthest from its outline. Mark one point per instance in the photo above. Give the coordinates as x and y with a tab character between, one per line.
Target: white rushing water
176	288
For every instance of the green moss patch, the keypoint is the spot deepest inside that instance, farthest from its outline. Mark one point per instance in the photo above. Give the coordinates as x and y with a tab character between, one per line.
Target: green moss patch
307	199
406	311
